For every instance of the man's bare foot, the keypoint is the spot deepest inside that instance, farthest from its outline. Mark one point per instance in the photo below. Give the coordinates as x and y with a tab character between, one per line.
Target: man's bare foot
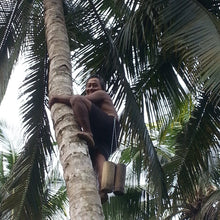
87	137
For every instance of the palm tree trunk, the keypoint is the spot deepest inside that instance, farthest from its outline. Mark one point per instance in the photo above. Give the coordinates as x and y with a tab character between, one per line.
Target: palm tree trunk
84	201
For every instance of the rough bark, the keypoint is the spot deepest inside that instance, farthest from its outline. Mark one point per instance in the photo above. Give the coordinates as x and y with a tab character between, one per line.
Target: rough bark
84	201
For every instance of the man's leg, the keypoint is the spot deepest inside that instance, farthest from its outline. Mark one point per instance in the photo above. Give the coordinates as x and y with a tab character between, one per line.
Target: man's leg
81	107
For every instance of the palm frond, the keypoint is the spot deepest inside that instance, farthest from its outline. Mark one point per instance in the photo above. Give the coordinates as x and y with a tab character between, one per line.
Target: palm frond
28	176
55	197
161	91
197	140
8	156
55	203
128	206
25	193
23	188
211	207
14	17
193	31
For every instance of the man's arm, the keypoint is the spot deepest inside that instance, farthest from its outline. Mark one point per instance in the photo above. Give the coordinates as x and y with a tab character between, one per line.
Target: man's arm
65	99
98	96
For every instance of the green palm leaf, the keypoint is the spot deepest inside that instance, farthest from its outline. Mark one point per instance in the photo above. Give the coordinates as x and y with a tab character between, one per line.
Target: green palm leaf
193	31
14	17
28	176
27	195
194	144
128	206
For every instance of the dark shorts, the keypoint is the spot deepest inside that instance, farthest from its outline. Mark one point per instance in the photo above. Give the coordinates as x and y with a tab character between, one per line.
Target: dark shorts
105	133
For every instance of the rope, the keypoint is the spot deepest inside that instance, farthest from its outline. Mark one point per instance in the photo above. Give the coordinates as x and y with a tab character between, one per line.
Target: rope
114	135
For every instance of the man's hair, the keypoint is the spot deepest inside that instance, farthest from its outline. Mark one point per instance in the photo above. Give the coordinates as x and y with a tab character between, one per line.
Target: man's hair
102	82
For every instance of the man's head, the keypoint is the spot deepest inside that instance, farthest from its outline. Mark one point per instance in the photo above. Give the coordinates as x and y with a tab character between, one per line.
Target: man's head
102	82
94	83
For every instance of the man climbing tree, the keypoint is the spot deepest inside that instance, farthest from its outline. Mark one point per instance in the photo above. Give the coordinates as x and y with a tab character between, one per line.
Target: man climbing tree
98	121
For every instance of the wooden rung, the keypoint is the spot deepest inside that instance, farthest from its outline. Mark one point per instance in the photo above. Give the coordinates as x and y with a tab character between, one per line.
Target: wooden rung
120	173
108	175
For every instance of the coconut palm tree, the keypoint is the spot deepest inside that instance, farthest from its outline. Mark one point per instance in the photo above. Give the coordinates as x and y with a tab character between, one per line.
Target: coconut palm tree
79	176
142	49
31	158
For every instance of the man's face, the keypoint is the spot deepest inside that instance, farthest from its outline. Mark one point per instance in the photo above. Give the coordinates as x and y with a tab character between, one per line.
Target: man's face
93	85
